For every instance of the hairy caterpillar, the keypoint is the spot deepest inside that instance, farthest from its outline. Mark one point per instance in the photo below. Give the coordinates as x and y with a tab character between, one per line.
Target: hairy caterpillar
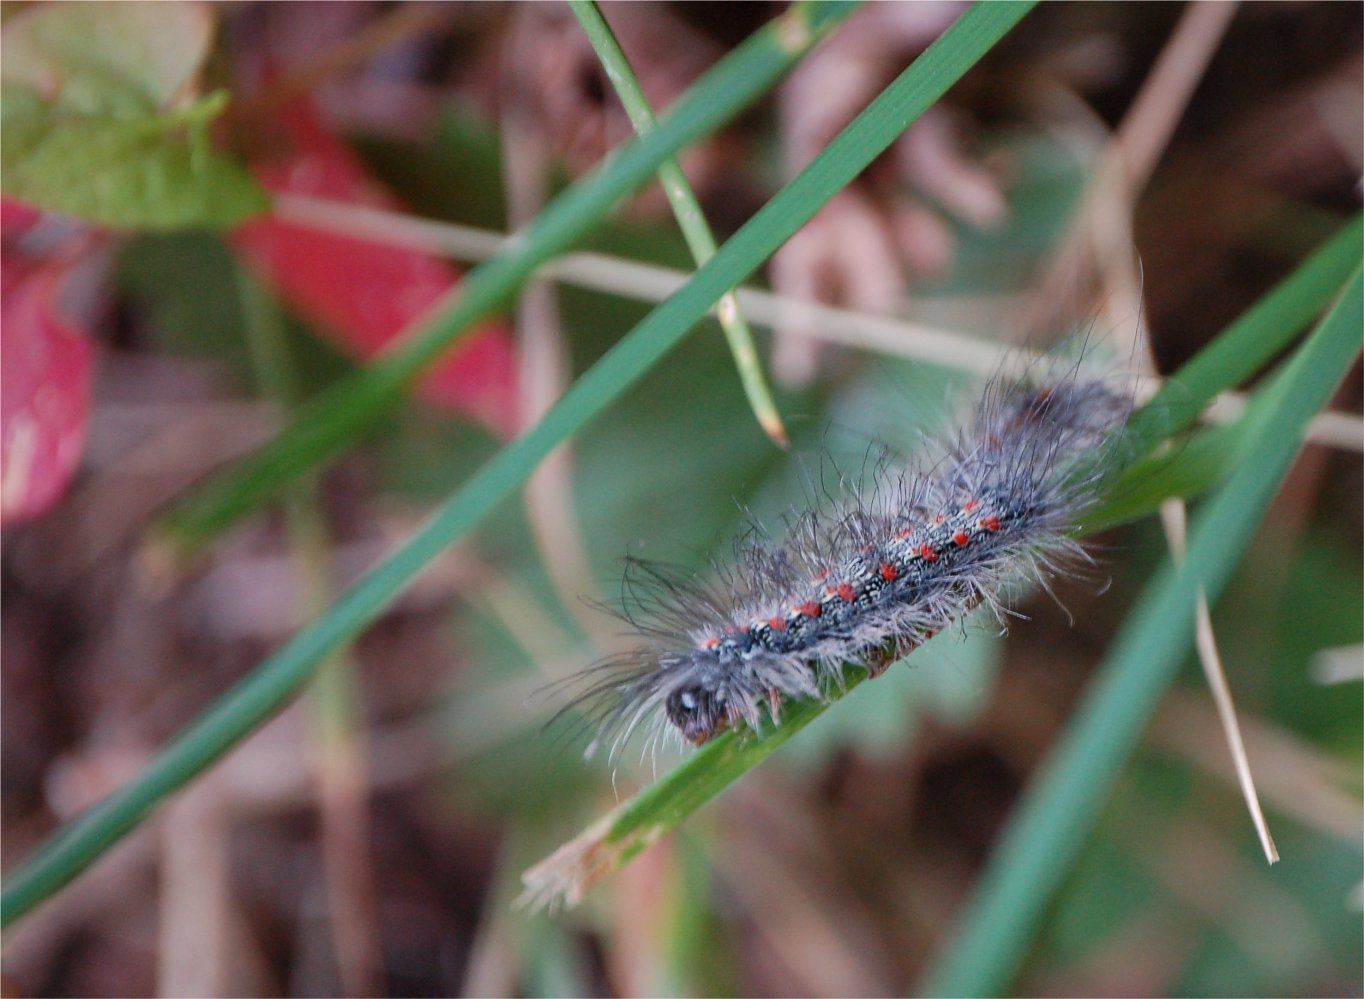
866	580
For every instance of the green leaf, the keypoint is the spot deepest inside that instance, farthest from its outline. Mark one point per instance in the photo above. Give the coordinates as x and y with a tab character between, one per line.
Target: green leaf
152	171
98	123
106	58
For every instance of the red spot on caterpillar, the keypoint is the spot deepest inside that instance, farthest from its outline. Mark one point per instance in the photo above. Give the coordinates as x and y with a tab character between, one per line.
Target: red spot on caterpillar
888	572
810	608
904	533
776	623
711	643
940	518
845	592
961	537
927	553
990	523
970	505
822	575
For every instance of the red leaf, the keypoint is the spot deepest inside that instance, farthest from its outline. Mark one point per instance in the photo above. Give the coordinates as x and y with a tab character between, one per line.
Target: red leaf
44	387
17	218
360	294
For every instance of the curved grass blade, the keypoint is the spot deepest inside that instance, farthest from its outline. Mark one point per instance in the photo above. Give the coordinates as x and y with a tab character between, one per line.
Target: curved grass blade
276	680
690	219
337	418
1064	800
566	875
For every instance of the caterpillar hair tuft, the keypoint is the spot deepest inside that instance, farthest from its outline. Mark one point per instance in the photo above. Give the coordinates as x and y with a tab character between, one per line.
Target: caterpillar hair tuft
860	583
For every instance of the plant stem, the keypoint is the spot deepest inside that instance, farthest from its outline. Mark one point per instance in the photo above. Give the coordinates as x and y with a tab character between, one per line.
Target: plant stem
337	724
690	219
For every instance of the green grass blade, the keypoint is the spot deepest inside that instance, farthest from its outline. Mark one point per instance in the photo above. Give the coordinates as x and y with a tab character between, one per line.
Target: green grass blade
336	419
1194	468
617	837
276	680
690	219
1051	824
611	841
1250	342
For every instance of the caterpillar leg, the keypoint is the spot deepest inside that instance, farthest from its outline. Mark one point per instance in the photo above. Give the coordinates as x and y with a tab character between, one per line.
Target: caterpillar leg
880	659
774	704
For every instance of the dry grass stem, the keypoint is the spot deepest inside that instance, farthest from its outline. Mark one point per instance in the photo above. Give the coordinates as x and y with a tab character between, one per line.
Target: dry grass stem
652	283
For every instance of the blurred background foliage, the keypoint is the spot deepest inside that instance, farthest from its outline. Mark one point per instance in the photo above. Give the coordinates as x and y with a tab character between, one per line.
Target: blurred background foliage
838	867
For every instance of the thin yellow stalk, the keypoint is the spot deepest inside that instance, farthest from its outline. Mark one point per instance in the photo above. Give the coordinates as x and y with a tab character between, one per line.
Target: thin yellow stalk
690	219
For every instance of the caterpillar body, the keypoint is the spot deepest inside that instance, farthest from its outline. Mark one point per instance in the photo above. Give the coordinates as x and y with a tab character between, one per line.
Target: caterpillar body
860	584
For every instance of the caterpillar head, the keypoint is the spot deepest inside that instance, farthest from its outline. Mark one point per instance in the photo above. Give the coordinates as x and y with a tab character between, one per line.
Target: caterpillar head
698	711
730	684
